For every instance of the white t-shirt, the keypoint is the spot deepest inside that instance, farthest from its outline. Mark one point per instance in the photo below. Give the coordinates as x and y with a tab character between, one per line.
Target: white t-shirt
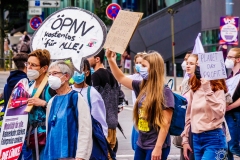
98	107
135	76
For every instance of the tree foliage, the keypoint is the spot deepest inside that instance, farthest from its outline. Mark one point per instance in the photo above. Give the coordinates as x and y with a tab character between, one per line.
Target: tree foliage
17	13
100	10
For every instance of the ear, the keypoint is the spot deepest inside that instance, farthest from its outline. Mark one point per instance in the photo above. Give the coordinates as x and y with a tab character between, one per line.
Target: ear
67	77
237	60
45	69
97	59
87	73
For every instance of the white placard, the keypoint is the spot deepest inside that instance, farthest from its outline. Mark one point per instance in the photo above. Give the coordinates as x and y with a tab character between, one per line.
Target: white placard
212	65
34	11
71	33
44	4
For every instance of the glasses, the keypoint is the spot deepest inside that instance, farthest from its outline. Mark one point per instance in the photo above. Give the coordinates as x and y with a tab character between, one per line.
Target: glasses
231	57
30	64
54	73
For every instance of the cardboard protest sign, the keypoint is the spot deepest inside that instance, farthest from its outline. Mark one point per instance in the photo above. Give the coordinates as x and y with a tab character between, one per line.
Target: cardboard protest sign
15	121
122	30
71	33
212	65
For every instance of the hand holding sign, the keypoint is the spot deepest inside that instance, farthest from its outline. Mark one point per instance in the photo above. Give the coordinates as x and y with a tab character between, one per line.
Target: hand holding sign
71	33
212	65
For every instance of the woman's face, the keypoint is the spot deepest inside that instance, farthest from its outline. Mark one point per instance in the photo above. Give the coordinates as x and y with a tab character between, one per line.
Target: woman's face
139	60
55	71
191	65
145	64
86	71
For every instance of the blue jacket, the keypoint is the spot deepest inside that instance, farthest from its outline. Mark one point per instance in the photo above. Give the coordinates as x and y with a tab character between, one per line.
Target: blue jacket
13	79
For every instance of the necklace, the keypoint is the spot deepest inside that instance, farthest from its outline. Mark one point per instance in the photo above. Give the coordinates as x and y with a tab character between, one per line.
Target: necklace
53	121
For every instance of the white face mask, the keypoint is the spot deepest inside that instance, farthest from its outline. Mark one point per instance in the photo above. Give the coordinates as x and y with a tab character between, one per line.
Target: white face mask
54	82
32	74
184	65
229	63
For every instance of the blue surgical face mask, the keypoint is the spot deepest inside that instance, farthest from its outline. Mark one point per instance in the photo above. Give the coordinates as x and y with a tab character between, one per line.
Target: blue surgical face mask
137	67
144	72
78	77
92	70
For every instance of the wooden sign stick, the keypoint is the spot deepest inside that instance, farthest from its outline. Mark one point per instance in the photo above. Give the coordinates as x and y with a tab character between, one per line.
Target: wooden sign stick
38	93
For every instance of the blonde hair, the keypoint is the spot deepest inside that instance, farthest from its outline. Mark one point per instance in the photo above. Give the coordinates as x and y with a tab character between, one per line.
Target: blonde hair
237	50
65	67
139	54
153	89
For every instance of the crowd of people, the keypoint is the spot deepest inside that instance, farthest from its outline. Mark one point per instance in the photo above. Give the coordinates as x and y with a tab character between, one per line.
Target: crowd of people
61	123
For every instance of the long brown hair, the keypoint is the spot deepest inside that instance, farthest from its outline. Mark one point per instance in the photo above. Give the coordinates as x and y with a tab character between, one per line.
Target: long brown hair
216	85
153	89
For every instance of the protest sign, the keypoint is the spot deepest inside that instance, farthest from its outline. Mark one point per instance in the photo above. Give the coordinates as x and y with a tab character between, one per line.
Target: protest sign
71	33
122	30
15	121
212	65
229	30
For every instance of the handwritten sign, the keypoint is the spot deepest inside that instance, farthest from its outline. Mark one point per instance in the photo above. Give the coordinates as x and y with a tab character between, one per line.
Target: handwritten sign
14	127
71	33
212	65
122	30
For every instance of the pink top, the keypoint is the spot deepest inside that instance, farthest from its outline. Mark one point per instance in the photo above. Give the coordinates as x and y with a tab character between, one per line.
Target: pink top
205	111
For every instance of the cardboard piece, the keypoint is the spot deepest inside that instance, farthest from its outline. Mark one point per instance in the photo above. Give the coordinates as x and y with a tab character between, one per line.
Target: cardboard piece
38	93
122	30
212	66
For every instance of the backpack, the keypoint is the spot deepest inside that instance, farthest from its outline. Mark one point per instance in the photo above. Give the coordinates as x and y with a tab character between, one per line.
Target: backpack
100	144
25	47
178	118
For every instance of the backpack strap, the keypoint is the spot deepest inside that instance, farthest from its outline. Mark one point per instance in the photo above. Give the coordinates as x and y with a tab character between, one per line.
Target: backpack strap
170	80
89	98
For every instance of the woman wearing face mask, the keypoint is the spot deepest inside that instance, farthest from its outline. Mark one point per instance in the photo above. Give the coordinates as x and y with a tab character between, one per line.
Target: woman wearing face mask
136	76
37	66
184	64
82	82
233	110
69	128
153	108
205	114
191	63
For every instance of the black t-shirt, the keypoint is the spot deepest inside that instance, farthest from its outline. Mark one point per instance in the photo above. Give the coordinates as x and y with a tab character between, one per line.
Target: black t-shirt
101	77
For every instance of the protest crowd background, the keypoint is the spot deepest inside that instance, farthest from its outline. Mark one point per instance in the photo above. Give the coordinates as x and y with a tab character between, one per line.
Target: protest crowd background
64	94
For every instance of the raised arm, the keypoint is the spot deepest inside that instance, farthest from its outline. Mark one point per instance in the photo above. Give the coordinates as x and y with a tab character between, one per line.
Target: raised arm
118	74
